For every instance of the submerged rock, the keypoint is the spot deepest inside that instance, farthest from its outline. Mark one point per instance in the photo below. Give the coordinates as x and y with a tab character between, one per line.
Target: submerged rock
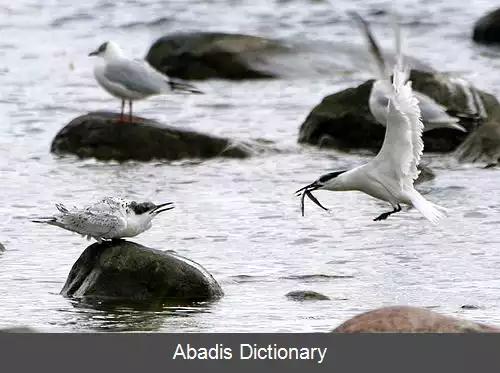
303	295
2	247
343	120
205	55
405	319
96	135
125	271
487	28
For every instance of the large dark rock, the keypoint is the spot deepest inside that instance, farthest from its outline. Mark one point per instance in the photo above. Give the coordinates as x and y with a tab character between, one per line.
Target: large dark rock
205	55
405	319
125	271
95	135
487	28
343	120
483	145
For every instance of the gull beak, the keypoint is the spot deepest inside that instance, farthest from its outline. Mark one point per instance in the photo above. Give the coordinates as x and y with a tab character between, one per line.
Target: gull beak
94	53
159	208
306	191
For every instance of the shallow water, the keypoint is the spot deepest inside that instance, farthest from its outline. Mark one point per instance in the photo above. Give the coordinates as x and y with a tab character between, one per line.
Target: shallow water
238	218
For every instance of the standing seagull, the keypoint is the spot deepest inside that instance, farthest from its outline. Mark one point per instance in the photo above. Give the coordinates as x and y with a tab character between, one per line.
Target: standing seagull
108	219
132	79
390	175
433	114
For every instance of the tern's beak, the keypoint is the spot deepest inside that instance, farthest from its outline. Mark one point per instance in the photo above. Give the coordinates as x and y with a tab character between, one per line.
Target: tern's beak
306	191
94	53
159	208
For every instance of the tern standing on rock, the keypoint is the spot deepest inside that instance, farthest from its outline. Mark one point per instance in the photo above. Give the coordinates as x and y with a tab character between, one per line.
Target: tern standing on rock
390	175
132	79
110	218
433	114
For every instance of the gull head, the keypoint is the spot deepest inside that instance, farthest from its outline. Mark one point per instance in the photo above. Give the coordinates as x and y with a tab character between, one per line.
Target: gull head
328	182
107	50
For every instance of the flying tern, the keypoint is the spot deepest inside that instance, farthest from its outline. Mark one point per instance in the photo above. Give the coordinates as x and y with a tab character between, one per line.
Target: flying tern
433	114
108	219
132	79
391	174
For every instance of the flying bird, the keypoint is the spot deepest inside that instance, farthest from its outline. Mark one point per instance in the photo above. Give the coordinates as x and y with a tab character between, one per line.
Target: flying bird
108	219
132	79
391	174
433	114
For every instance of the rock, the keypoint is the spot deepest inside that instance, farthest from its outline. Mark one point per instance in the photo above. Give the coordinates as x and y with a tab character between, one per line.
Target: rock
205	55
487	28
18	329
469	307
404	319
96	135
426	174
124	271
343	120
302	295
2	248
483	145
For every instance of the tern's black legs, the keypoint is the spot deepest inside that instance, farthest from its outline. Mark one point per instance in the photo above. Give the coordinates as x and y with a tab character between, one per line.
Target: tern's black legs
385	215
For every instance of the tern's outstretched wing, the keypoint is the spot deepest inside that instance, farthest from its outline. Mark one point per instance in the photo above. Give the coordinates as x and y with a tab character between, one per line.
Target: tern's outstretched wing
373	47
403	145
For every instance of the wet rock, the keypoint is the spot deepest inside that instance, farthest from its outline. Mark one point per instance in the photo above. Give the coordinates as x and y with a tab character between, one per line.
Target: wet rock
18	329
205	55
404	319
343	120
426	174
95	135
483	145
469	307
303	295
487	28
124	271
2	248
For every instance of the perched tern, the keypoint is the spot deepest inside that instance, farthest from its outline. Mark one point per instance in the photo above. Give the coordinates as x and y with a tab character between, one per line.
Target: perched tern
433	114
132	79
391	174
108	219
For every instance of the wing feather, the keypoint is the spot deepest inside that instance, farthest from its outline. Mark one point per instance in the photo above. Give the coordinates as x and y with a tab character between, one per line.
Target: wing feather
403	144
136	76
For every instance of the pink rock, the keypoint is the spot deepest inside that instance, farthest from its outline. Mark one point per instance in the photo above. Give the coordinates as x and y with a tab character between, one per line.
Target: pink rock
405	319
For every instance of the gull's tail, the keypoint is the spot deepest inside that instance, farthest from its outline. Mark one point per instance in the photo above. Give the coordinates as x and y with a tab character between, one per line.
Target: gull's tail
429	210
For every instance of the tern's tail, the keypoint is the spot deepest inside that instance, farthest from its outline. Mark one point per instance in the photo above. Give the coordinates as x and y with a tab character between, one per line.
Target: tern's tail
51	220
429	210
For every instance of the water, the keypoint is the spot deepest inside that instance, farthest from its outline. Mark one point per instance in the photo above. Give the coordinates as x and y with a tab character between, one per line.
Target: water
238	218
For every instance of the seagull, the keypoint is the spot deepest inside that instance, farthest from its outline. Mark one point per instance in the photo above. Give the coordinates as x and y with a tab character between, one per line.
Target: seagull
132	79
433	114
108	219
391	174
